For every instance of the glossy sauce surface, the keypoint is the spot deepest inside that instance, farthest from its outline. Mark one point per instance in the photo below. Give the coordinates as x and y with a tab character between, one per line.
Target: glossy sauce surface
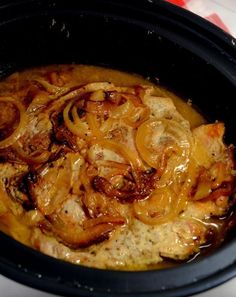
20	222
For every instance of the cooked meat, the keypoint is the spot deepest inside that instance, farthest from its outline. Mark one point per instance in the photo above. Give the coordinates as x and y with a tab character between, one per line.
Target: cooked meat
127	249
11	175
209	145
109	176
38	134
164	108
55	181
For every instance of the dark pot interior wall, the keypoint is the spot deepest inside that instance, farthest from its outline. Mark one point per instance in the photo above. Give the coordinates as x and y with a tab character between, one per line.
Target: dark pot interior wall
51	35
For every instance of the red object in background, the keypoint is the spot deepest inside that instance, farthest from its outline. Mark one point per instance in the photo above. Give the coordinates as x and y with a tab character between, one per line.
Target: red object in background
178	2
215	19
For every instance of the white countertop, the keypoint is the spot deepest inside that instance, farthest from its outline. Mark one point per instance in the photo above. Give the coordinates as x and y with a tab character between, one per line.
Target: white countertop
224	9
227	11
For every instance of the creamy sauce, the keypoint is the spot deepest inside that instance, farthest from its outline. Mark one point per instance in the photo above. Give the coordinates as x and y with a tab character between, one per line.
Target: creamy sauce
86	74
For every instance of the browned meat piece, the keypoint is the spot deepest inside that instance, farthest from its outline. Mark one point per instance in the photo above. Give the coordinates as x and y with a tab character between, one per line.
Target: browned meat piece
61	133
127	249
11	174
55	181
215	160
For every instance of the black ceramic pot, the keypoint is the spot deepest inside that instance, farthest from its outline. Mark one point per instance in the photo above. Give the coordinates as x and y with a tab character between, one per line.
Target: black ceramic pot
148	37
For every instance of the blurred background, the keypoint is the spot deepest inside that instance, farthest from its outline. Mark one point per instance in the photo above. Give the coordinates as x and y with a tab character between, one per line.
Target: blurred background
220	12
223	14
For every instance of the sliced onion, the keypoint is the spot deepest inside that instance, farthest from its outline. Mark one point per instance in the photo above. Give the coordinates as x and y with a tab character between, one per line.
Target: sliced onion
156	209
138	116
107	125
156	137
77	92
79	128
97	96
203	190
184	190
135	100
31	158
39	101
21	125
125	152
75	115
94	125
114	164
165	204
75	236
52	89
123	110
104	219
91	87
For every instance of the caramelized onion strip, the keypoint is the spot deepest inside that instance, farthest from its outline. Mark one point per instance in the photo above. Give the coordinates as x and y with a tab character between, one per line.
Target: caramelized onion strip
153	136
164	204
79	128
114	164
91	87
107	125
52	89
123	110
103	219
94	125
134	99
76	92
